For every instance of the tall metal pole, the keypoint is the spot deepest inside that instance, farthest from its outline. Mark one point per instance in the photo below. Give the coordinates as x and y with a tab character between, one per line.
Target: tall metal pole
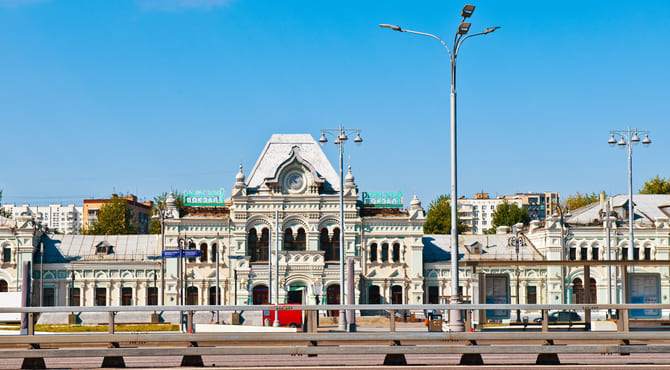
218	294
343	319
162	216
269	267
563	257
631	215
609	256
276	322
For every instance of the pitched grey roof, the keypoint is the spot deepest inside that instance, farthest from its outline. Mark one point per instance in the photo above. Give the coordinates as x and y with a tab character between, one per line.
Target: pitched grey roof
278	149
66	248
437	248
648	208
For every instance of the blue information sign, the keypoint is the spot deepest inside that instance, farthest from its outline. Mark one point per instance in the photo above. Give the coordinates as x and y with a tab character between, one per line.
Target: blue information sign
191	253
171	254
188	253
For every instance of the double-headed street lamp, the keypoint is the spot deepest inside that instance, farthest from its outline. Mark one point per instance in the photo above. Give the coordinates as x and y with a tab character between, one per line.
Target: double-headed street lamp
455	319
161	213
341	138
563	249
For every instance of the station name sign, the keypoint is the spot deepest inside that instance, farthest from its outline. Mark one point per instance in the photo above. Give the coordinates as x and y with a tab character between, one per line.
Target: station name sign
204	198
383	199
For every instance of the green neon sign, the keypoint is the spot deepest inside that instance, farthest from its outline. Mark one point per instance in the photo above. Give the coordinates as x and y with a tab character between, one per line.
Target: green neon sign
204	198
383	199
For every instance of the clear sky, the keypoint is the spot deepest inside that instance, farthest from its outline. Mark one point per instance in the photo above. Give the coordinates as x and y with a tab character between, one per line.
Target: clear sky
136	96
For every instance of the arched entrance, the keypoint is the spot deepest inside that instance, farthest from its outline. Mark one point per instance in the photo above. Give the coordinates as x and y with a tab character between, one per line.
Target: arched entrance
577	291
260	294
3	286
296	293
374	297
333	297
192	295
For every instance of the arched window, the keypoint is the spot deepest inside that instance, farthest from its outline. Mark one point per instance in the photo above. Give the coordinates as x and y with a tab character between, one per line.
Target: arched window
260	294
192	296
301	240
396	252
289	244
373	252
6	254
191	246
258	249
330	245
203	252
3	286
126	296
577	291
385	252
373	295
396	294
212	296
636	253
215	252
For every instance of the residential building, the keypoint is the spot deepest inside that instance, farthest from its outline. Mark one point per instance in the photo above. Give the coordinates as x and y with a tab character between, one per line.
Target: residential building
477	213
62	219
141	211
540	206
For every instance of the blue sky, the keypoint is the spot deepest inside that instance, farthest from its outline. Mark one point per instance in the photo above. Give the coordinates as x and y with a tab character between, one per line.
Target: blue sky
137	96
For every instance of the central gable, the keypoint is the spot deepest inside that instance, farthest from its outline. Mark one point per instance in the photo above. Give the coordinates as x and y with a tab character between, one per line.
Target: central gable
283	150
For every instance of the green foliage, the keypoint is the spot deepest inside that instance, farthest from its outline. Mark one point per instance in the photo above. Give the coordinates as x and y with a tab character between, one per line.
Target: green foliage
578	200
4	212
438	220
656	185
160	202
114	218
508	214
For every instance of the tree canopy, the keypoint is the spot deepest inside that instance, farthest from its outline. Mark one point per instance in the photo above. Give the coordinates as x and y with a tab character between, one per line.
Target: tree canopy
656	185
160	202
578	200
438	220
114	218
3	211
508	214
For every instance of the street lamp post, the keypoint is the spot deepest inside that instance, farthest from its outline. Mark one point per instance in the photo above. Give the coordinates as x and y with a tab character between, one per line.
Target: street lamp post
517	241
161	213
455	319
563	249
341	138
629	138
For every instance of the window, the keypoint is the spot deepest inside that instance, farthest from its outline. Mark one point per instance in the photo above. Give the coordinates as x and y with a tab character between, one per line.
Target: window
6	254
260	295
594	253
215	252
126	296
4	287
531	294
75	297
396	252
636	253
294	243
647	254
289	245
331	246
583	254
212	296
203	252
301	240
373	252
385	252
191	245
624	254
152	296
258	249
100	296
48	297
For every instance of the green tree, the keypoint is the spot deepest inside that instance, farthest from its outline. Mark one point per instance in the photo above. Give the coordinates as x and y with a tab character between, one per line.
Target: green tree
438	220
114	218
3	212
508	214
656	185
578	200
160	202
